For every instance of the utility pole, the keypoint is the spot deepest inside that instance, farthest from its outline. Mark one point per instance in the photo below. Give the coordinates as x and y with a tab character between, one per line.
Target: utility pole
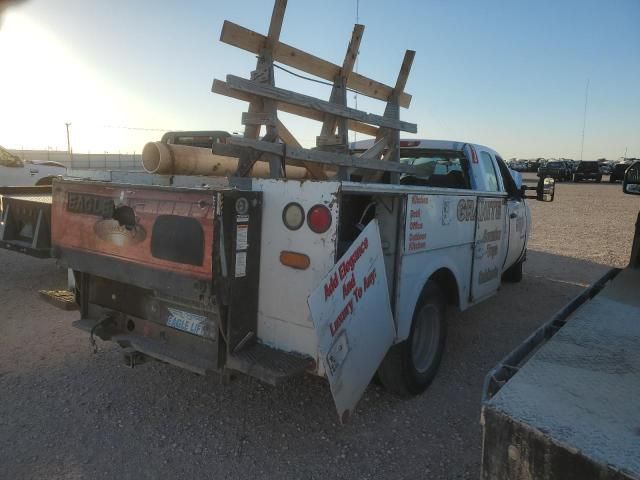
584	117
68	124
625	153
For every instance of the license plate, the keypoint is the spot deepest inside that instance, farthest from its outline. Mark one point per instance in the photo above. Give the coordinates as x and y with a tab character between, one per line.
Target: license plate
186	321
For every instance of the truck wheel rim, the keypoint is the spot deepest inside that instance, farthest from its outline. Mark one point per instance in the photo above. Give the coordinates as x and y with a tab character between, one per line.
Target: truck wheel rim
426	333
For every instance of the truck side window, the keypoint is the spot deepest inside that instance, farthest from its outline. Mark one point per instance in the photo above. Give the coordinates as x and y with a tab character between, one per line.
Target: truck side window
490	178
509	184
436	169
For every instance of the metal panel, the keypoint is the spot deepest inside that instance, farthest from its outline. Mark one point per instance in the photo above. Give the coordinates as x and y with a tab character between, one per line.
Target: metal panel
352	317
91	230
284	320
490	247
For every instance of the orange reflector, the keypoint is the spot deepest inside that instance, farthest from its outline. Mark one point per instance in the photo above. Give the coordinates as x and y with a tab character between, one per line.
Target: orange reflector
295	260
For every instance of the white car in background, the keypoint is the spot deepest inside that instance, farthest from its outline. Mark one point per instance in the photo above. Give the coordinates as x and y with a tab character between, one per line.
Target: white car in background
15	172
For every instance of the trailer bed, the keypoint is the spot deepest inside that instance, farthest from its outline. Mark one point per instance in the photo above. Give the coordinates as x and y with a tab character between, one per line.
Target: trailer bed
573	409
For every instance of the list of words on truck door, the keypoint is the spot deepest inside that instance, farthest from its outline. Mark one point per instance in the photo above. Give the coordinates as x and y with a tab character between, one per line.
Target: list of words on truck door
352	316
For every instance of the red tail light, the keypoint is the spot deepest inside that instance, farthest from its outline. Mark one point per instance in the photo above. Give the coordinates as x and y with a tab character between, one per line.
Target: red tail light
319	218
409	143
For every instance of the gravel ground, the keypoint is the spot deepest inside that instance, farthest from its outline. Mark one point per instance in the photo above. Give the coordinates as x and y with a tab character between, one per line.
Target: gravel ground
66	413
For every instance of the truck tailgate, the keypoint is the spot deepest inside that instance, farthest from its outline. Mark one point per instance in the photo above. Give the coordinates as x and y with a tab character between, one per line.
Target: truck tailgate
161	228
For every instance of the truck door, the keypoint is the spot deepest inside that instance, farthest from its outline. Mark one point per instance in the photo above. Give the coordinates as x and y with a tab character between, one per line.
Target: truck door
516	217
490	246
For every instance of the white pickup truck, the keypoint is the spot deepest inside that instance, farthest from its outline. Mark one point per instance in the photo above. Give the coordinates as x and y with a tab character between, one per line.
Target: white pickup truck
276	277
15	172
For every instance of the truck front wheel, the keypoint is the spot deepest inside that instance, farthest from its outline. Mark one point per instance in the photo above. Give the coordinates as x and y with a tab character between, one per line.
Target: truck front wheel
410	366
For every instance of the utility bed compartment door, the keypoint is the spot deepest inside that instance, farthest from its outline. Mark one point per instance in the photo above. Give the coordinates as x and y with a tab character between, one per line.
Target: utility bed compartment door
169	229
352	316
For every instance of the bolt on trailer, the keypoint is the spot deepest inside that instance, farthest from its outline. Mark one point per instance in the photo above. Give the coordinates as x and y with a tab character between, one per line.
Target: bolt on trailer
266	258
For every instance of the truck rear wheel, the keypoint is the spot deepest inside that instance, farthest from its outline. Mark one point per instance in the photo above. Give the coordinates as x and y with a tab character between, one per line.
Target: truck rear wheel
410	366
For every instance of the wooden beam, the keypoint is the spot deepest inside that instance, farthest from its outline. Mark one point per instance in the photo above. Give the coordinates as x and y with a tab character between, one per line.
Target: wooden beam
258	118
352	51
293	98
339	92
405	68
275	26
253	42
287	137
326	158
376	149
222	88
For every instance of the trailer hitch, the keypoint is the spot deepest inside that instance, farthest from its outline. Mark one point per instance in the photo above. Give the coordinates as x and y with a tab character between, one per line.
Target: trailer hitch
92	341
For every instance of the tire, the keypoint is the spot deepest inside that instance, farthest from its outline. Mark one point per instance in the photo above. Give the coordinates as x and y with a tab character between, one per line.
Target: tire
410	366
576	179
612	179
513	274
598	180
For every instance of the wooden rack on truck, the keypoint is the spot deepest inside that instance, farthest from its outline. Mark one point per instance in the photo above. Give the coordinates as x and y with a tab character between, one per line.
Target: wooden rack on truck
331	158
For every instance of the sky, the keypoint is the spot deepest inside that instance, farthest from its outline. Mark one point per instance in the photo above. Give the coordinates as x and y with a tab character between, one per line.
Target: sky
511	75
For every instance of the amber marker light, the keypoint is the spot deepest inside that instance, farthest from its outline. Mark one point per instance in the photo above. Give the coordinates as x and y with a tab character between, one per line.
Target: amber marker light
299	261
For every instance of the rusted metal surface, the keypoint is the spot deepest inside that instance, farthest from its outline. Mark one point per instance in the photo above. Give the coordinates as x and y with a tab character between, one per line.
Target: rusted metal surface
85	219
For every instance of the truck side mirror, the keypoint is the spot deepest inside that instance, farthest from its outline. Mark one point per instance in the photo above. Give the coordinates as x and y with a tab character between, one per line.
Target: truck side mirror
546	190
631	182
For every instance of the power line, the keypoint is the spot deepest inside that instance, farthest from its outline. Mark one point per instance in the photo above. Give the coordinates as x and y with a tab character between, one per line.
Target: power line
122	127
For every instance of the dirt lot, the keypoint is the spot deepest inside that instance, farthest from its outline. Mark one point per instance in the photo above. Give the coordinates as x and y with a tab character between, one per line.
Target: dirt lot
67	413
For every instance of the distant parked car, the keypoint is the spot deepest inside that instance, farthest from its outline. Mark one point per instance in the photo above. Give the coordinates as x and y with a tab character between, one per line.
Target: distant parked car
606	168
587	171
15	172
554	169
617	174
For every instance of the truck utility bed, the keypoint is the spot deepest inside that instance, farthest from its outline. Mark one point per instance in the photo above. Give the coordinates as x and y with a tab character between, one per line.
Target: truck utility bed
572	411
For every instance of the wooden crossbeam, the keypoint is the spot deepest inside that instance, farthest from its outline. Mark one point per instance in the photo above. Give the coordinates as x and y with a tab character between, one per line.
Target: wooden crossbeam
318	156
253	42
222	88
287	96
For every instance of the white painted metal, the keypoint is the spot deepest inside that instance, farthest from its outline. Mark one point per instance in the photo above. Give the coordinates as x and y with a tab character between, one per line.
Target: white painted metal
490	247
28	174
284	320
352	317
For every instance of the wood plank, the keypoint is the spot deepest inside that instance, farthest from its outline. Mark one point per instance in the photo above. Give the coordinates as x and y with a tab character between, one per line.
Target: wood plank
258	118
405	69
221	88
275	26
253	42
376	149
287	137
339	92
327	158
293	98
352	51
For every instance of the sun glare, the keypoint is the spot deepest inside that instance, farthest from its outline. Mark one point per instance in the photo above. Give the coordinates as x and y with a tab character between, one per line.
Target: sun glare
44	84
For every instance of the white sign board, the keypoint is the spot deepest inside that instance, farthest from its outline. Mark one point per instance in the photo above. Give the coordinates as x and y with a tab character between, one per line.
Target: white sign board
352	316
